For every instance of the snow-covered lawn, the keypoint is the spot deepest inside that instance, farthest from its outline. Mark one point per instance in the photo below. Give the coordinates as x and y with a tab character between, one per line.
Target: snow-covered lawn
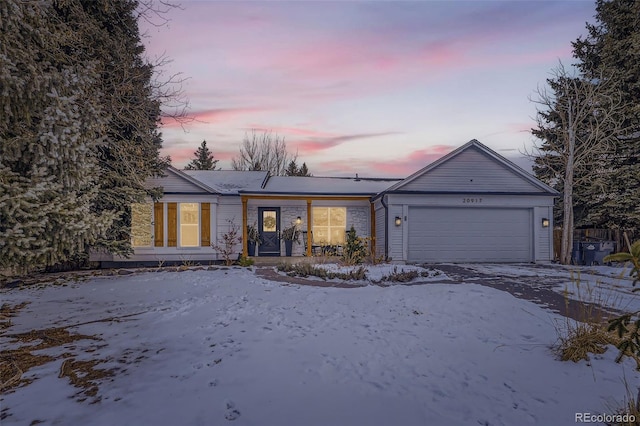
226	347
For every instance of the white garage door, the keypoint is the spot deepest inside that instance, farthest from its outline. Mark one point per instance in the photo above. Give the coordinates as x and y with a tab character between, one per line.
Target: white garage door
469	235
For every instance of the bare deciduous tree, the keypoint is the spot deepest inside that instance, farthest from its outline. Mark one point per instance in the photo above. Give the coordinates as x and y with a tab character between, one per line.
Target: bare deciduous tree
263	152
578	121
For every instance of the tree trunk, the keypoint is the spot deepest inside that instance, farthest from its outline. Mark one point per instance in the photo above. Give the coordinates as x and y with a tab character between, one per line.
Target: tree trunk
567	215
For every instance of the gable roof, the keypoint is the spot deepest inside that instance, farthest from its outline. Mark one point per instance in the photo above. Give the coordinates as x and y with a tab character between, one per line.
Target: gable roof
177	181
505	168
230	182
325	186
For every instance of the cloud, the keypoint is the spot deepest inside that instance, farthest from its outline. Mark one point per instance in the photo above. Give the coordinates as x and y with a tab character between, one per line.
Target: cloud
399	167
288	130
214	115
313	145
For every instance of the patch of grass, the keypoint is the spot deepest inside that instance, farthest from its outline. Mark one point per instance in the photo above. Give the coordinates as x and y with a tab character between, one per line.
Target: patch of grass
629	409
15	362
84	375
401	276
7	312
581	339
590	333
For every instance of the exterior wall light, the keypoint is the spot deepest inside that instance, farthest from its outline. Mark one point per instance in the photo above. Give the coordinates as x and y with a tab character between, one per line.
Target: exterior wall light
398	221
298	220
545	222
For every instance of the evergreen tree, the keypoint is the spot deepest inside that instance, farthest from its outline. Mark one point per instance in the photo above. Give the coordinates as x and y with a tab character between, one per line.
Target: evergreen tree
304	171
293	169
49	133
78	128
203	159
612	51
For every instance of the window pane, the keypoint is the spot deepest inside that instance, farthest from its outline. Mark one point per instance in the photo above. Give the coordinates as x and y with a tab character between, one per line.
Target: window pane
189	235
189	213
321	235
189	229
337	235
269	221
320	216
329	224
141	218
338	216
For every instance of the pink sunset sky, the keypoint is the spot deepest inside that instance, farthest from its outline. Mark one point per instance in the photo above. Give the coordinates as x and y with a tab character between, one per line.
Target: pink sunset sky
379	88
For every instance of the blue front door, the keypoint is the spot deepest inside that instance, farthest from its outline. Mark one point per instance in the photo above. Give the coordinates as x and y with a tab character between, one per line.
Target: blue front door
269	227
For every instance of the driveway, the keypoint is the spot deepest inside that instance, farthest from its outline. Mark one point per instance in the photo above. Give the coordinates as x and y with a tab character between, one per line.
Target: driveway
562	289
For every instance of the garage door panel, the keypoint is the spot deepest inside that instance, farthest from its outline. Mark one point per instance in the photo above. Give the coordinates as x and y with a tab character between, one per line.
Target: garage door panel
469	235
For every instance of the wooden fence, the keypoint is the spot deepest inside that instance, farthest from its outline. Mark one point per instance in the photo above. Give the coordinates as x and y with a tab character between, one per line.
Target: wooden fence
614	235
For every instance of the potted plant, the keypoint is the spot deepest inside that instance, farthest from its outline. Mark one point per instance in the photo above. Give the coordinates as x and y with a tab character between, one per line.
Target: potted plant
289	235
253	239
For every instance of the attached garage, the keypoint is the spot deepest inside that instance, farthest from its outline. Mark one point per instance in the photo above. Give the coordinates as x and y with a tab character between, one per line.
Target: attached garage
472	205
447	234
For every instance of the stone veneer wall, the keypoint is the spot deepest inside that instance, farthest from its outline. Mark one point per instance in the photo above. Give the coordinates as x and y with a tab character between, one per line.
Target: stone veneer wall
288	216
359	217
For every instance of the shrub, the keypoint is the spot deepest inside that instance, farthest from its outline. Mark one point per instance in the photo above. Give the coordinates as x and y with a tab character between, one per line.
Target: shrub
355	248
226	247
627	326
245	262
308	269
401	276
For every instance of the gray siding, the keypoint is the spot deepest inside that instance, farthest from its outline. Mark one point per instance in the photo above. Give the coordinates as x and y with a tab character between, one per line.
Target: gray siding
471	171
380	230
544	236
174	183
396	240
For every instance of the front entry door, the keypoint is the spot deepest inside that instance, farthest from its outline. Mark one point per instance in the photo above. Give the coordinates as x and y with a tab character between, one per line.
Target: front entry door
269	226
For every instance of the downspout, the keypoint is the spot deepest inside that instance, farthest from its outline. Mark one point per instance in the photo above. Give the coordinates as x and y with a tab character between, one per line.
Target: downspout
386	227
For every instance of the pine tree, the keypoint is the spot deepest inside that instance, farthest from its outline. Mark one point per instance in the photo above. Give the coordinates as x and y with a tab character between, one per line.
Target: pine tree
293	169
78	128
50	130
612	51
203	159
304	171
108	34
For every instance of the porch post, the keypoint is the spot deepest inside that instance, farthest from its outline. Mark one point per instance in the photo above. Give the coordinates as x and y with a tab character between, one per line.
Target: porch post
309	236
244	227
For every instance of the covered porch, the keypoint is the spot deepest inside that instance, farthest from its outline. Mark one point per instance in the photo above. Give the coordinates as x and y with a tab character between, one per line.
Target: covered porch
321	220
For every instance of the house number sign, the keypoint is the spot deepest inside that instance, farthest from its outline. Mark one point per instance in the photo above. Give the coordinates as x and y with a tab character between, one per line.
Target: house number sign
471	200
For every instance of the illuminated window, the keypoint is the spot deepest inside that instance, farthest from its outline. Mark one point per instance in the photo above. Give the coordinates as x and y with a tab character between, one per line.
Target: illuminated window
329	225
141	226
189	225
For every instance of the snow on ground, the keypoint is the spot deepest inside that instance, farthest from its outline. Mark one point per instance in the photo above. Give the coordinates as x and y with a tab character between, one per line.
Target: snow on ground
608	286
226	347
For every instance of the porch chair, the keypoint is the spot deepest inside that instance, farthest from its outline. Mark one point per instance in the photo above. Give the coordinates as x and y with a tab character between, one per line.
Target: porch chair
314	247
